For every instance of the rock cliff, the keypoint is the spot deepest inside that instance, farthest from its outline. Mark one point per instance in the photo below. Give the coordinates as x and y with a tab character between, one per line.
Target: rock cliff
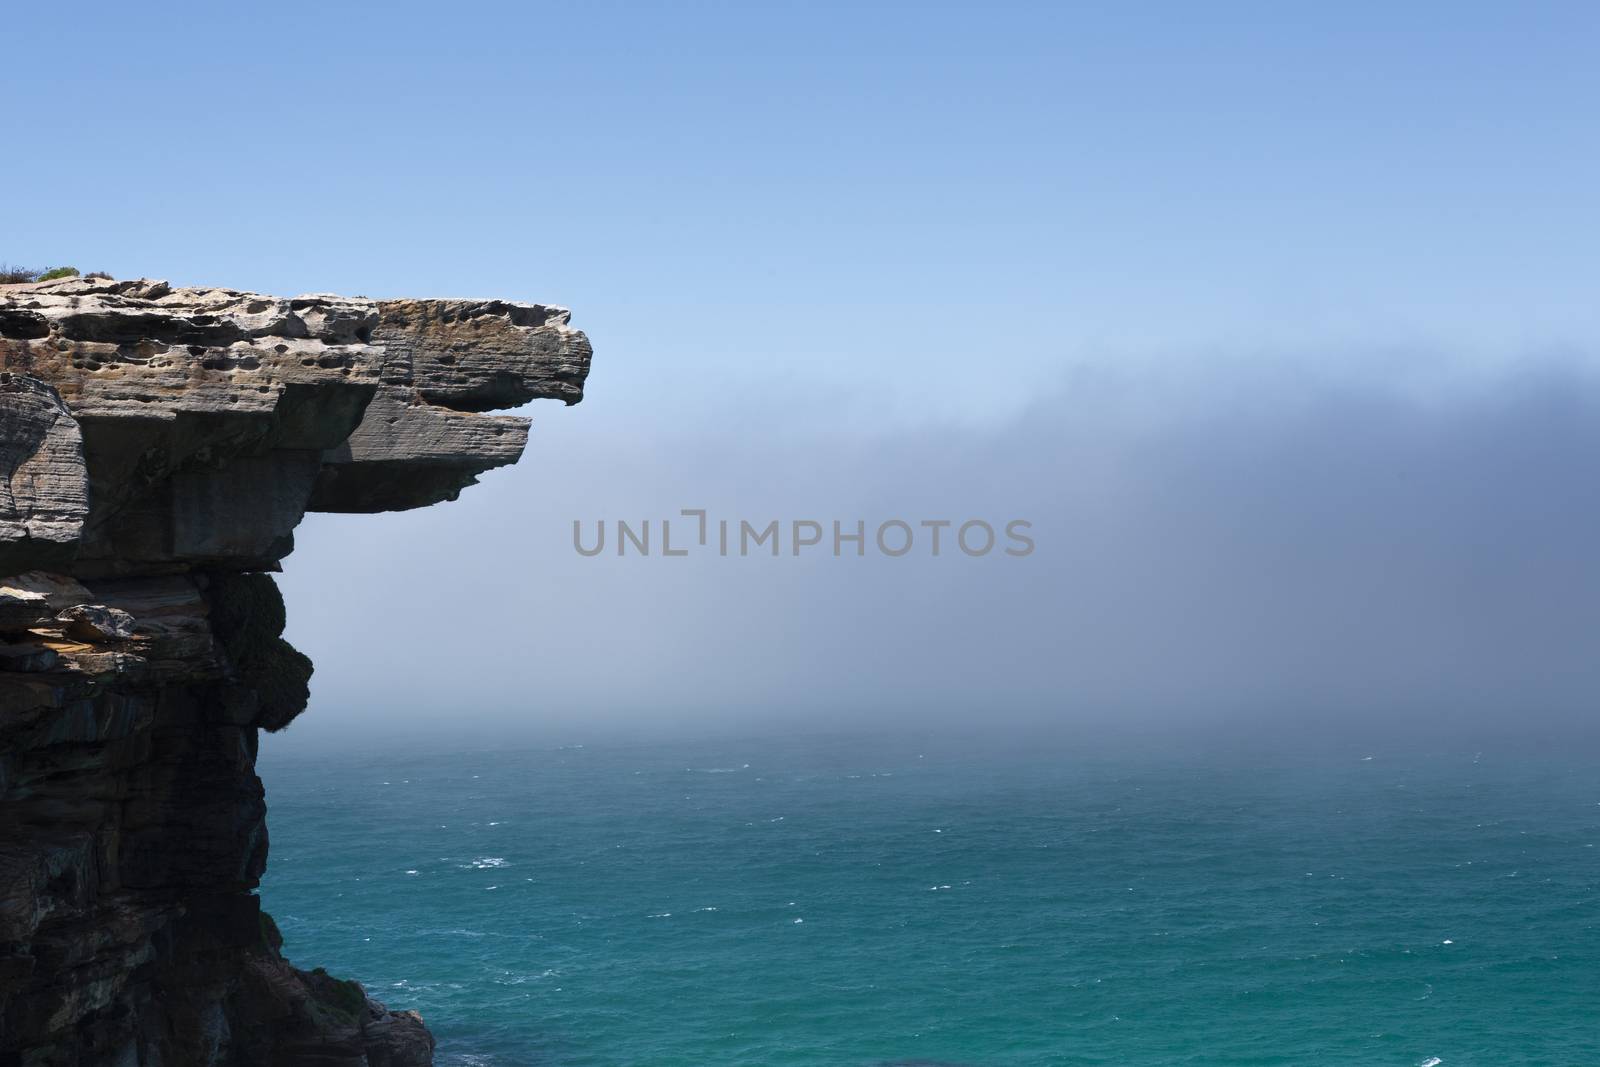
158	446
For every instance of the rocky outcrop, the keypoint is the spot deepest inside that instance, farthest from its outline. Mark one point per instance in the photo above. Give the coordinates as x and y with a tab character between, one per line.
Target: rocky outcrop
158	446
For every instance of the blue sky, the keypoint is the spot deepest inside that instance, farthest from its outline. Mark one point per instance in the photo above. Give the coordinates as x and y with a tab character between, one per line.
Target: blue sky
1154	272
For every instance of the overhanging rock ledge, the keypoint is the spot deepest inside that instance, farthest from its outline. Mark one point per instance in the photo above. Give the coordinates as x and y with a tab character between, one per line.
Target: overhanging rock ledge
158	446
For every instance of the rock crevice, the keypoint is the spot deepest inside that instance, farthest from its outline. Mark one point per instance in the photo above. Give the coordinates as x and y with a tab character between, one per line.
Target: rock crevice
158	446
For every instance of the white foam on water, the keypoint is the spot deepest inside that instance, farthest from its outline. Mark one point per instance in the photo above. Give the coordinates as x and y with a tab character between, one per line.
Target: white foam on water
519	979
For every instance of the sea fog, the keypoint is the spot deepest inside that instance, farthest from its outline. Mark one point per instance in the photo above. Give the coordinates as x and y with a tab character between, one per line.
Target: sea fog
1262	543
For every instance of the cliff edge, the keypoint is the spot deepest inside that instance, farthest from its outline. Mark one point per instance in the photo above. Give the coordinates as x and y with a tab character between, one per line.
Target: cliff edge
158	446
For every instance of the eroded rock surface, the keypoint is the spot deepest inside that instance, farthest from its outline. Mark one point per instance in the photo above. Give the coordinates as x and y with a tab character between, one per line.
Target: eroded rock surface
158	446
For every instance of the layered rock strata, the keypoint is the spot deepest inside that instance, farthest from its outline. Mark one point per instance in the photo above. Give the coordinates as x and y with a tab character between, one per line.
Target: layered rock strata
158	446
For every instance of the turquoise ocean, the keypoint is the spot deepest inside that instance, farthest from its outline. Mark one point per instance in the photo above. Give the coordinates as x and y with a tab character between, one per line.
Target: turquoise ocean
843	900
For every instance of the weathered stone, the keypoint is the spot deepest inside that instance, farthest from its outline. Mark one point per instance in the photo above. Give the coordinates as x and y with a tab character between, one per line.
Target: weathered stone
21	609
57	590
440	453
43	481
96	623
158	446
422	440
26	656
159	429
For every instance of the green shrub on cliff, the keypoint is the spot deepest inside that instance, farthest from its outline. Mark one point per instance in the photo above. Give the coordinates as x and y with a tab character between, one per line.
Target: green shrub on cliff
10	275
340	994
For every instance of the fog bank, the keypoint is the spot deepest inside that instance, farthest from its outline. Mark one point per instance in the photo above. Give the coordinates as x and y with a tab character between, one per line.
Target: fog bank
1249	544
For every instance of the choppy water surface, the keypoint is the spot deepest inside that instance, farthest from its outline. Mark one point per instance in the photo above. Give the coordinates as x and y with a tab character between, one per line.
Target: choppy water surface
863	901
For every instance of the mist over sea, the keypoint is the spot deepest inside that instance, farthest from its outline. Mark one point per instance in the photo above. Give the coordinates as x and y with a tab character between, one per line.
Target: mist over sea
807	899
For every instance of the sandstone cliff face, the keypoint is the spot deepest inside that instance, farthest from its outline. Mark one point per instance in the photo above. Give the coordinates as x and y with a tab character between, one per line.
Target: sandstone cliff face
158	446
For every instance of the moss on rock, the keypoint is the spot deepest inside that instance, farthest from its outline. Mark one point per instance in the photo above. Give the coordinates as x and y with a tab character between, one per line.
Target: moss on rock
340	994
